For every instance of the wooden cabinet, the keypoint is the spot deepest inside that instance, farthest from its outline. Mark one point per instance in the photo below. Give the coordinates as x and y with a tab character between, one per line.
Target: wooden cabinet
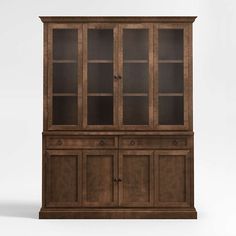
118	133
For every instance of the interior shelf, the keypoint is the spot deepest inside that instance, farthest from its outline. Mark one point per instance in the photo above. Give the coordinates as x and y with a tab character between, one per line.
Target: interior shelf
135	94
170	61
100	94
64	61
100	61
171	94
135	61
64	94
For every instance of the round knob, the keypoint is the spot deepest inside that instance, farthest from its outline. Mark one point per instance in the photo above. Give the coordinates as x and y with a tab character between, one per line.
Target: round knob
175	143
59	142
101	142
119	179
115	180
132	142
119	77
115	77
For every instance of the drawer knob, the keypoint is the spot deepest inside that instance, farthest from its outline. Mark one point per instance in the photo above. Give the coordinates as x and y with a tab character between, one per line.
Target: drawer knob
102	143
175	143
132	142
59	142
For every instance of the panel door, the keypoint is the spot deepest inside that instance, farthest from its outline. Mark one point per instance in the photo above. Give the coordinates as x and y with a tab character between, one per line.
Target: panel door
63	178
99	75
136	76
172	76
64	60
136	178
99	178
172	178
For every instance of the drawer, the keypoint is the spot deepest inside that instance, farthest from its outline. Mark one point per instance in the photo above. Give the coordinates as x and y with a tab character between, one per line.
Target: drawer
81	142
153	142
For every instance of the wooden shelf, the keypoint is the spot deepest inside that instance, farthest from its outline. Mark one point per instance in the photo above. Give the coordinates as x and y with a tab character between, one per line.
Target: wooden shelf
170	61
135	61
135	94
100	94
170	94
100	61
64	94
64	61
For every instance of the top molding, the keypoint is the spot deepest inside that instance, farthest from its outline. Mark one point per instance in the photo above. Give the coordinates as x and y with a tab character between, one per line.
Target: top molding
118	19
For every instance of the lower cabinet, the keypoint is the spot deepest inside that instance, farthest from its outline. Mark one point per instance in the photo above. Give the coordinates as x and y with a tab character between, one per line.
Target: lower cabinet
136	178
99	174
172	178
63	178
111	178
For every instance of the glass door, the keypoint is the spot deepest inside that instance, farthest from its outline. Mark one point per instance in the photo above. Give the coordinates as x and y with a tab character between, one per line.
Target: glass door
171	76
100	69
65	75
136	74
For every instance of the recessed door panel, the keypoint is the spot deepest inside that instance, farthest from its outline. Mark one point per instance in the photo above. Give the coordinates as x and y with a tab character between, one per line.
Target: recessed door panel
172	178
64	175
136	178
99	172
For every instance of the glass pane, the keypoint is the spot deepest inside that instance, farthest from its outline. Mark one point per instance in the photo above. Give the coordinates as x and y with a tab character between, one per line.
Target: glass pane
171	110
64	110
100	110
64	77
135	78
100	44
170	77
135	44
65	46
100	77
135	109
170	44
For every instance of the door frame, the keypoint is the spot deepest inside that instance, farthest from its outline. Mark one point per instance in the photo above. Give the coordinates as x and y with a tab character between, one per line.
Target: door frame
114	154
47	179
85	74
148	26
149	153
187	64
49	72
187	155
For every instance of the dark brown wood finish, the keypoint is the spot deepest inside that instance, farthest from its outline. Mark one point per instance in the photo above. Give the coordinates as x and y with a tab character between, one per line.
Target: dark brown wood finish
119	171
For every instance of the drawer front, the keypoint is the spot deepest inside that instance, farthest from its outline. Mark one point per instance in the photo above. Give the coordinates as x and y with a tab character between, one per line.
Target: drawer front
81	142
154	142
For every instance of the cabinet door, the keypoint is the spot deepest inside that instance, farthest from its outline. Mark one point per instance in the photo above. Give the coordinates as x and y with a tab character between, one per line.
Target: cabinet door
63	178
64	76
172	76
99	174
172	178
99	74
136	76
136	178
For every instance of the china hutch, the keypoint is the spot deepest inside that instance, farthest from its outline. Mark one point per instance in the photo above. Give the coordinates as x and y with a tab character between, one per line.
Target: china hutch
118	125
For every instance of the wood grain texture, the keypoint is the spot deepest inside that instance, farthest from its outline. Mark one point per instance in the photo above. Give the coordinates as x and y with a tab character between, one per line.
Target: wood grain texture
117	171
118	19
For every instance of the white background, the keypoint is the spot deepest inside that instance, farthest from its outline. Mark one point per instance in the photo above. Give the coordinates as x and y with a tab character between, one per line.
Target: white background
21	83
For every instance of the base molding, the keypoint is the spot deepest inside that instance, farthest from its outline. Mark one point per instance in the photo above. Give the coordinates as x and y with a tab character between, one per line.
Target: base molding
125	213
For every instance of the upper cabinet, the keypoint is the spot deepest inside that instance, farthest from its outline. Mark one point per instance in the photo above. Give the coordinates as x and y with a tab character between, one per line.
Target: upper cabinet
105	76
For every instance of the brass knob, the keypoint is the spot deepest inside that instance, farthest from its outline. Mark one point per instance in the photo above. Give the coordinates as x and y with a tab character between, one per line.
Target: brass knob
102	143
59	142
175	143
132	142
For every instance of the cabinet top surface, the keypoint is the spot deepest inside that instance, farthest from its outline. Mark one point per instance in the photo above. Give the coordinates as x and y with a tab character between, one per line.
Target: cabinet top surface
87	19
